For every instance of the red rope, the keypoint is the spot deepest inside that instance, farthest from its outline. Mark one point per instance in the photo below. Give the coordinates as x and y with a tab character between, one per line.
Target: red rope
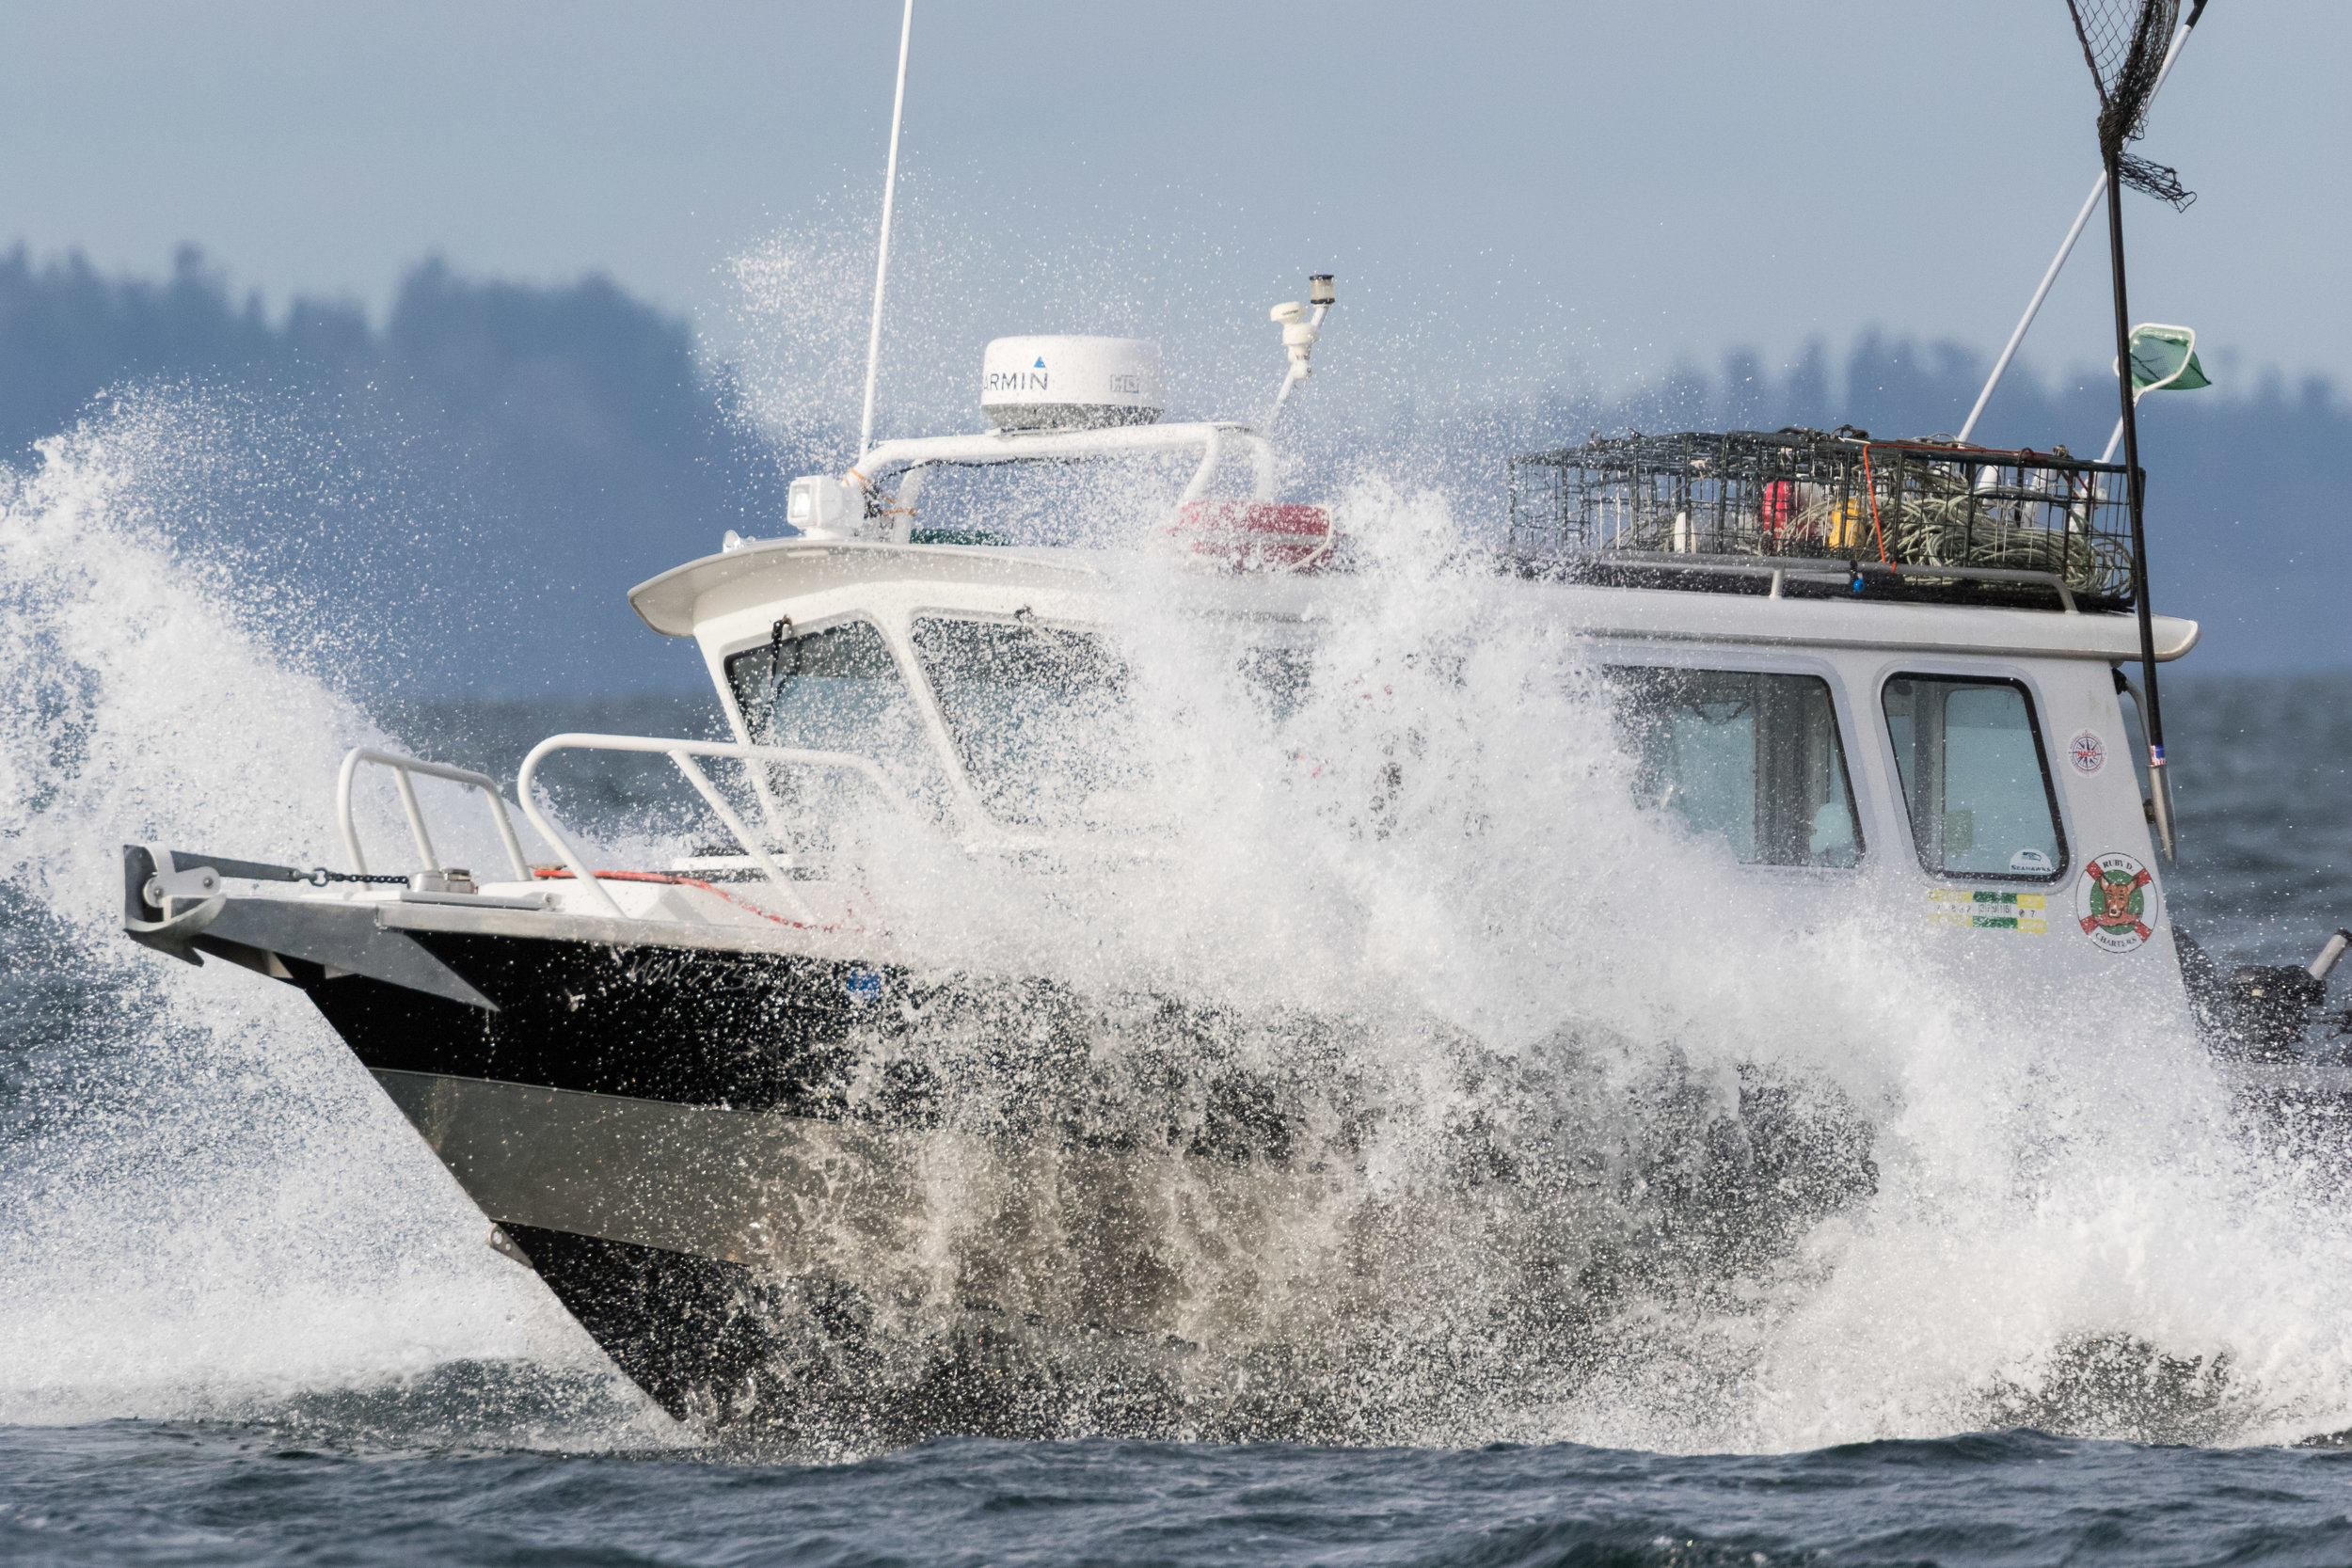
1871	485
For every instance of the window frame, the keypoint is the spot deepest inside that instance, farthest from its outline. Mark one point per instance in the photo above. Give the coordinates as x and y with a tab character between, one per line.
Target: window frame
945	766
949	739
1612	653
2052	795
805	629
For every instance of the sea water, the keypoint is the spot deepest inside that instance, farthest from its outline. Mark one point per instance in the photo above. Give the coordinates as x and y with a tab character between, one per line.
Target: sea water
244	1316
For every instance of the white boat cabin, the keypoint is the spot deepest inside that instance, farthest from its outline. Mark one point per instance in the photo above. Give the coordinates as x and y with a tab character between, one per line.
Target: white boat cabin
1880	675
1970	765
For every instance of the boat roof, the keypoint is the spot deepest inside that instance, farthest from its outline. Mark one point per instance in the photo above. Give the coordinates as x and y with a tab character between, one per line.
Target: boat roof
773	571
777	572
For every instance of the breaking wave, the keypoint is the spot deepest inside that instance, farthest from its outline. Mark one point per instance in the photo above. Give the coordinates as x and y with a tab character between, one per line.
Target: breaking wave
1417	1087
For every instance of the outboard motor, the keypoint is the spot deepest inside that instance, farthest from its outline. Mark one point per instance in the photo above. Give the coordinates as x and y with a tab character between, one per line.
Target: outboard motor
2259	1012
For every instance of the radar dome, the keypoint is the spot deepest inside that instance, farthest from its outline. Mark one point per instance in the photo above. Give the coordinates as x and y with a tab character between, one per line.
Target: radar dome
1065	382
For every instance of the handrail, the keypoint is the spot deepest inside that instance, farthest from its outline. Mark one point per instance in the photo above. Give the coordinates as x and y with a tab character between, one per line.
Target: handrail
402	768
1212	453
682	753
1824	567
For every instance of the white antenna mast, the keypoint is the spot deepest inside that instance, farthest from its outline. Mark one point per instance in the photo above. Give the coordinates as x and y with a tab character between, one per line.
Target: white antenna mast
881	260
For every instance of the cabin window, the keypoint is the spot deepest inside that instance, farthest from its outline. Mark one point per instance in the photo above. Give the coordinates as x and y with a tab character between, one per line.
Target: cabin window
1040	718
837	690
1748	758
1976	780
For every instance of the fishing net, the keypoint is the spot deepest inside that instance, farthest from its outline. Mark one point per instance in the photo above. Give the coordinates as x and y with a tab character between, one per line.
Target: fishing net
2125	42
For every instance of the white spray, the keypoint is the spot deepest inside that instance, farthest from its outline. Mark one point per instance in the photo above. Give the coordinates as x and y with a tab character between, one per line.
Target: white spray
215	1209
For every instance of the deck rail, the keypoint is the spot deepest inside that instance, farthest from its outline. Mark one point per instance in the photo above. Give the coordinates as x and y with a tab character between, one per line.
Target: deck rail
403	768
682	754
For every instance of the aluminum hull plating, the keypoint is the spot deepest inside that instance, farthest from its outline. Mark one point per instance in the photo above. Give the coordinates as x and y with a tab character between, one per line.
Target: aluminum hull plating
725	1162
713	1255
705	1251
842	1203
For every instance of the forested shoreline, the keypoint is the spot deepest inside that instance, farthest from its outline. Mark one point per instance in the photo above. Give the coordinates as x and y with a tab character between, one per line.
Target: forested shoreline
543	447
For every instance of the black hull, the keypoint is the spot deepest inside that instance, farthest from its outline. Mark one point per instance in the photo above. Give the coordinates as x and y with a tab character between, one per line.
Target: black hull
801	1363
747	1030
683	1328
840	1204
633	1116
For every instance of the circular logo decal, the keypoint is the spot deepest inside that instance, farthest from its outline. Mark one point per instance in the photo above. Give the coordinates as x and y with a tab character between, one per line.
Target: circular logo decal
2116	902
2089	753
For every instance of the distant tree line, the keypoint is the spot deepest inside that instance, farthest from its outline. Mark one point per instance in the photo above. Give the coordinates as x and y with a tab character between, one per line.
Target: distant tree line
490	440
476	481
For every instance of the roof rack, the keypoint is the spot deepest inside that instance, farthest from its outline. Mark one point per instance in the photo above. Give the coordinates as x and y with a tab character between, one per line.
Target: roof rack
1938	519
1799	578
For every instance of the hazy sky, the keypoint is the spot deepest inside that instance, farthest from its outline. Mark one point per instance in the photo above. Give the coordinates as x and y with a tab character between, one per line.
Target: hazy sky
1641	179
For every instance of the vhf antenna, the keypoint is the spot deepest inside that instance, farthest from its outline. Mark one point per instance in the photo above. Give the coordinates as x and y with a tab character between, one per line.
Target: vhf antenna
2124	43
882	259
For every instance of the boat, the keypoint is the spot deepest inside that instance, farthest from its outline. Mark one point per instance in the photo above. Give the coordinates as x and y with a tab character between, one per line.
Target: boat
797	1172
685	1094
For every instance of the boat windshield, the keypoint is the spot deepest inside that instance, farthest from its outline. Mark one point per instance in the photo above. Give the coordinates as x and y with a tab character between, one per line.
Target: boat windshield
1039	716
1748	758
837	690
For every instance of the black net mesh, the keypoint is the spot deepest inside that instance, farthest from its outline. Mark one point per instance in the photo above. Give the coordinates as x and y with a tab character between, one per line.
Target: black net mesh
2158	180
1808	494
2125	41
